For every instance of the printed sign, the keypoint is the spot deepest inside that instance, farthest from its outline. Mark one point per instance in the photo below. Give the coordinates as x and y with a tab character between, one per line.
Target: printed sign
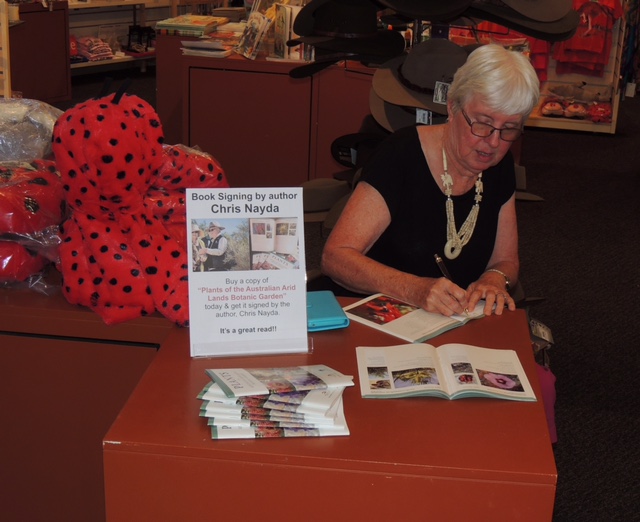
247	276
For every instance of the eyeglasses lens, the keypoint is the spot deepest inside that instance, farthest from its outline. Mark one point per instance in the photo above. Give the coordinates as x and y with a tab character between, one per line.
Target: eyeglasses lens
484	130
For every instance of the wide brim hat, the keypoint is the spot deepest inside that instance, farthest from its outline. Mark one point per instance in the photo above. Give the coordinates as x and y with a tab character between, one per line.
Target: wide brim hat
501	14
393	117
195	228
215	224
411	80
347	26
431	10
325	59
540	10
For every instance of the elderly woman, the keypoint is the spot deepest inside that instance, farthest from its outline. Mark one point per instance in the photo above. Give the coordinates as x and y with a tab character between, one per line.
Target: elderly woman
433	221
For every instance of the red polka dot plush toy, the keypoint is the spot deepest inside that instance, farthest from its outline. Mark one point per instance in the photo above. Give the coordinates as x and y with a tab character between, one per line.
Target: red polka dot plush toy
118	255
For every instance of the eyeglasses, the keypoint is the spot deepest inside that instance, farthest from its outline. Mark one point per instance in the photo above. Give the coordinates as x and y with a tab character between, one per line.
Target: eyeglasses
484	130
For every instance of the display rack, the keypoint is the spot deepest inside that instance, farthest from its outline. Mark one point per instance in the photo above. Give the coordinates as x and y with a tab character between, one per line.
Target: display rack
611	79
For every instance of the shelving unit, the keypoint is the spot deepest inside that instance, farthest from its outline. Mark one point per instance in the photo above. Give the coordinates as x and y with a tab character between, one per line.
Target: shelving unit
178	6
610	79
94	16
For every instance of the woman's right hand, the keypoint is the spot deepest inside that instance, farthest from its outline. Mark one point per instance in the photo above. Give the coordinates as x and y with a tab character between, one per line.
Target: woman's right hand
440	296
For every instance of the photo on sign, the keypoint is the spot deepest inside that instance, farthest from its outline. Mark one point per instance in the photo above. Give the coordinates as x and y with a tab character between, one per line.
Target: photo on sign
220	245
244	244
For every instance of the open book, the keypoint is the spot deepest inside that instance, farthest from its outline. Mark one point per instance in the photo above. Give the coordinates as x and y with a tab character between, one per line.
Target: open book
274	235
452	371
406	321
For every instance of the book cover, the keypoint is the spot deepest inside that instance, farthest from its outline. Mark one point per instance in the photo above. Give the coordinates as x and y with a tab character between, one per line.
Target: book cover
253	35
228	412
308	401
451	371
274	261
223	431
237	382
191	21
207	53
406	321
208	44
281	31
298	52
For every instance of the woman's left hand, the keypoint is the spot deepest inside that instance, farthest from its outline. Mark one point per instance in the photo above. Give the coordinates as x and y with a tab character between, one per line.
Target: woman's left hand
497	299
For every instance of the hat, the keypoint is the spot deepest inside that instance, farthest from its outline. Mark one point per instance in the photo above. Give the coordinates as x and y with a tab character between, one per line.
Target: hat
215	224
347	26
416	78
540	10
393	117
431	10
500	13
195	227
325	58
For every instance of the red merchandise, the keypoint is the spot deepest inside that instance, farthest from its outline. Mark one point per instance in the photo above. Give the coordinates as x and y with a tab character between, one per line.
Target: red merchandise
31	198
17	263
117	256
600	112
182	168
587	52
31	210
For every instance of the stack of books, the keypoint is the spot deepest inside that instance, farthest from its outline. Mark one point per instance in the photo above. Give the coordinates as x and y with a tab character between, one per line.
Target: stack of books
299	401
190	25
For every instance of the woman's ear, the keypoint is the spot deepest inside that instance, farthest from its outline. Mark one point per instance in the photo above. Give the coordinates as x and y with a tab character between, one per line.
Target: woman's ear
449	110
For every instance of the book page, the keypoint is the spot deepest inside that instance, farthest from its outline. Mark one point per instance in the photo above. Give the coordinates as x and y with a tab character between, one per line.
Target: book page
263	237
403	320
472	370
286	236
399	371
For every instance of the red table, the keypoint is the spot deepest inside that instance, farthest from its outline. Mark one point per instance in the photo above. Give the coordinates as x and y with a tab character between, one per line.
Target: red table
420	458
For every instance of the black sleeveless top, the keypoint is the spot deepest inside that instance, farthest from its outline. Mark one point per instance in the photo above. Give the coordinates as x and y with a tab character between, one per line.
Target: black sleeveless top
418	228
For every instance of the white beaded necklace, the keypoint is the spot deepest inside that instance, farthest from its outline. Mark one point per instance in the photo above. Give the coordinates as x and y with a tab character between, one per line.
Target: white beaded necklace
456	240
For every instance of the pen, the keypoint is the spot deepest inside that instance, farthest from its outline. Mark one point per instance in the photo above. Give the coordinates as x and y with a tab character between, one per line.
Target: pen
442	267
445	273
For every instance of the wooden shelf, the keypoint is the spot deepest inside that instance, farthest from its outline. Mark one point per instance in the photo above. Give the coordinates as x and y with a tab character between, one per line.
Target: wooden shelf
118	3
113	61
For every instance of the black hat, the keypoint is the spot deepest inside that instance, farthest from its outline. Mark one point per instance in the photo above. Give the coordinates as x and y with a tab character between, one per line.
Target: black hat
324	59
413	79
430	10
500	13
393	117
346	26
540	10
